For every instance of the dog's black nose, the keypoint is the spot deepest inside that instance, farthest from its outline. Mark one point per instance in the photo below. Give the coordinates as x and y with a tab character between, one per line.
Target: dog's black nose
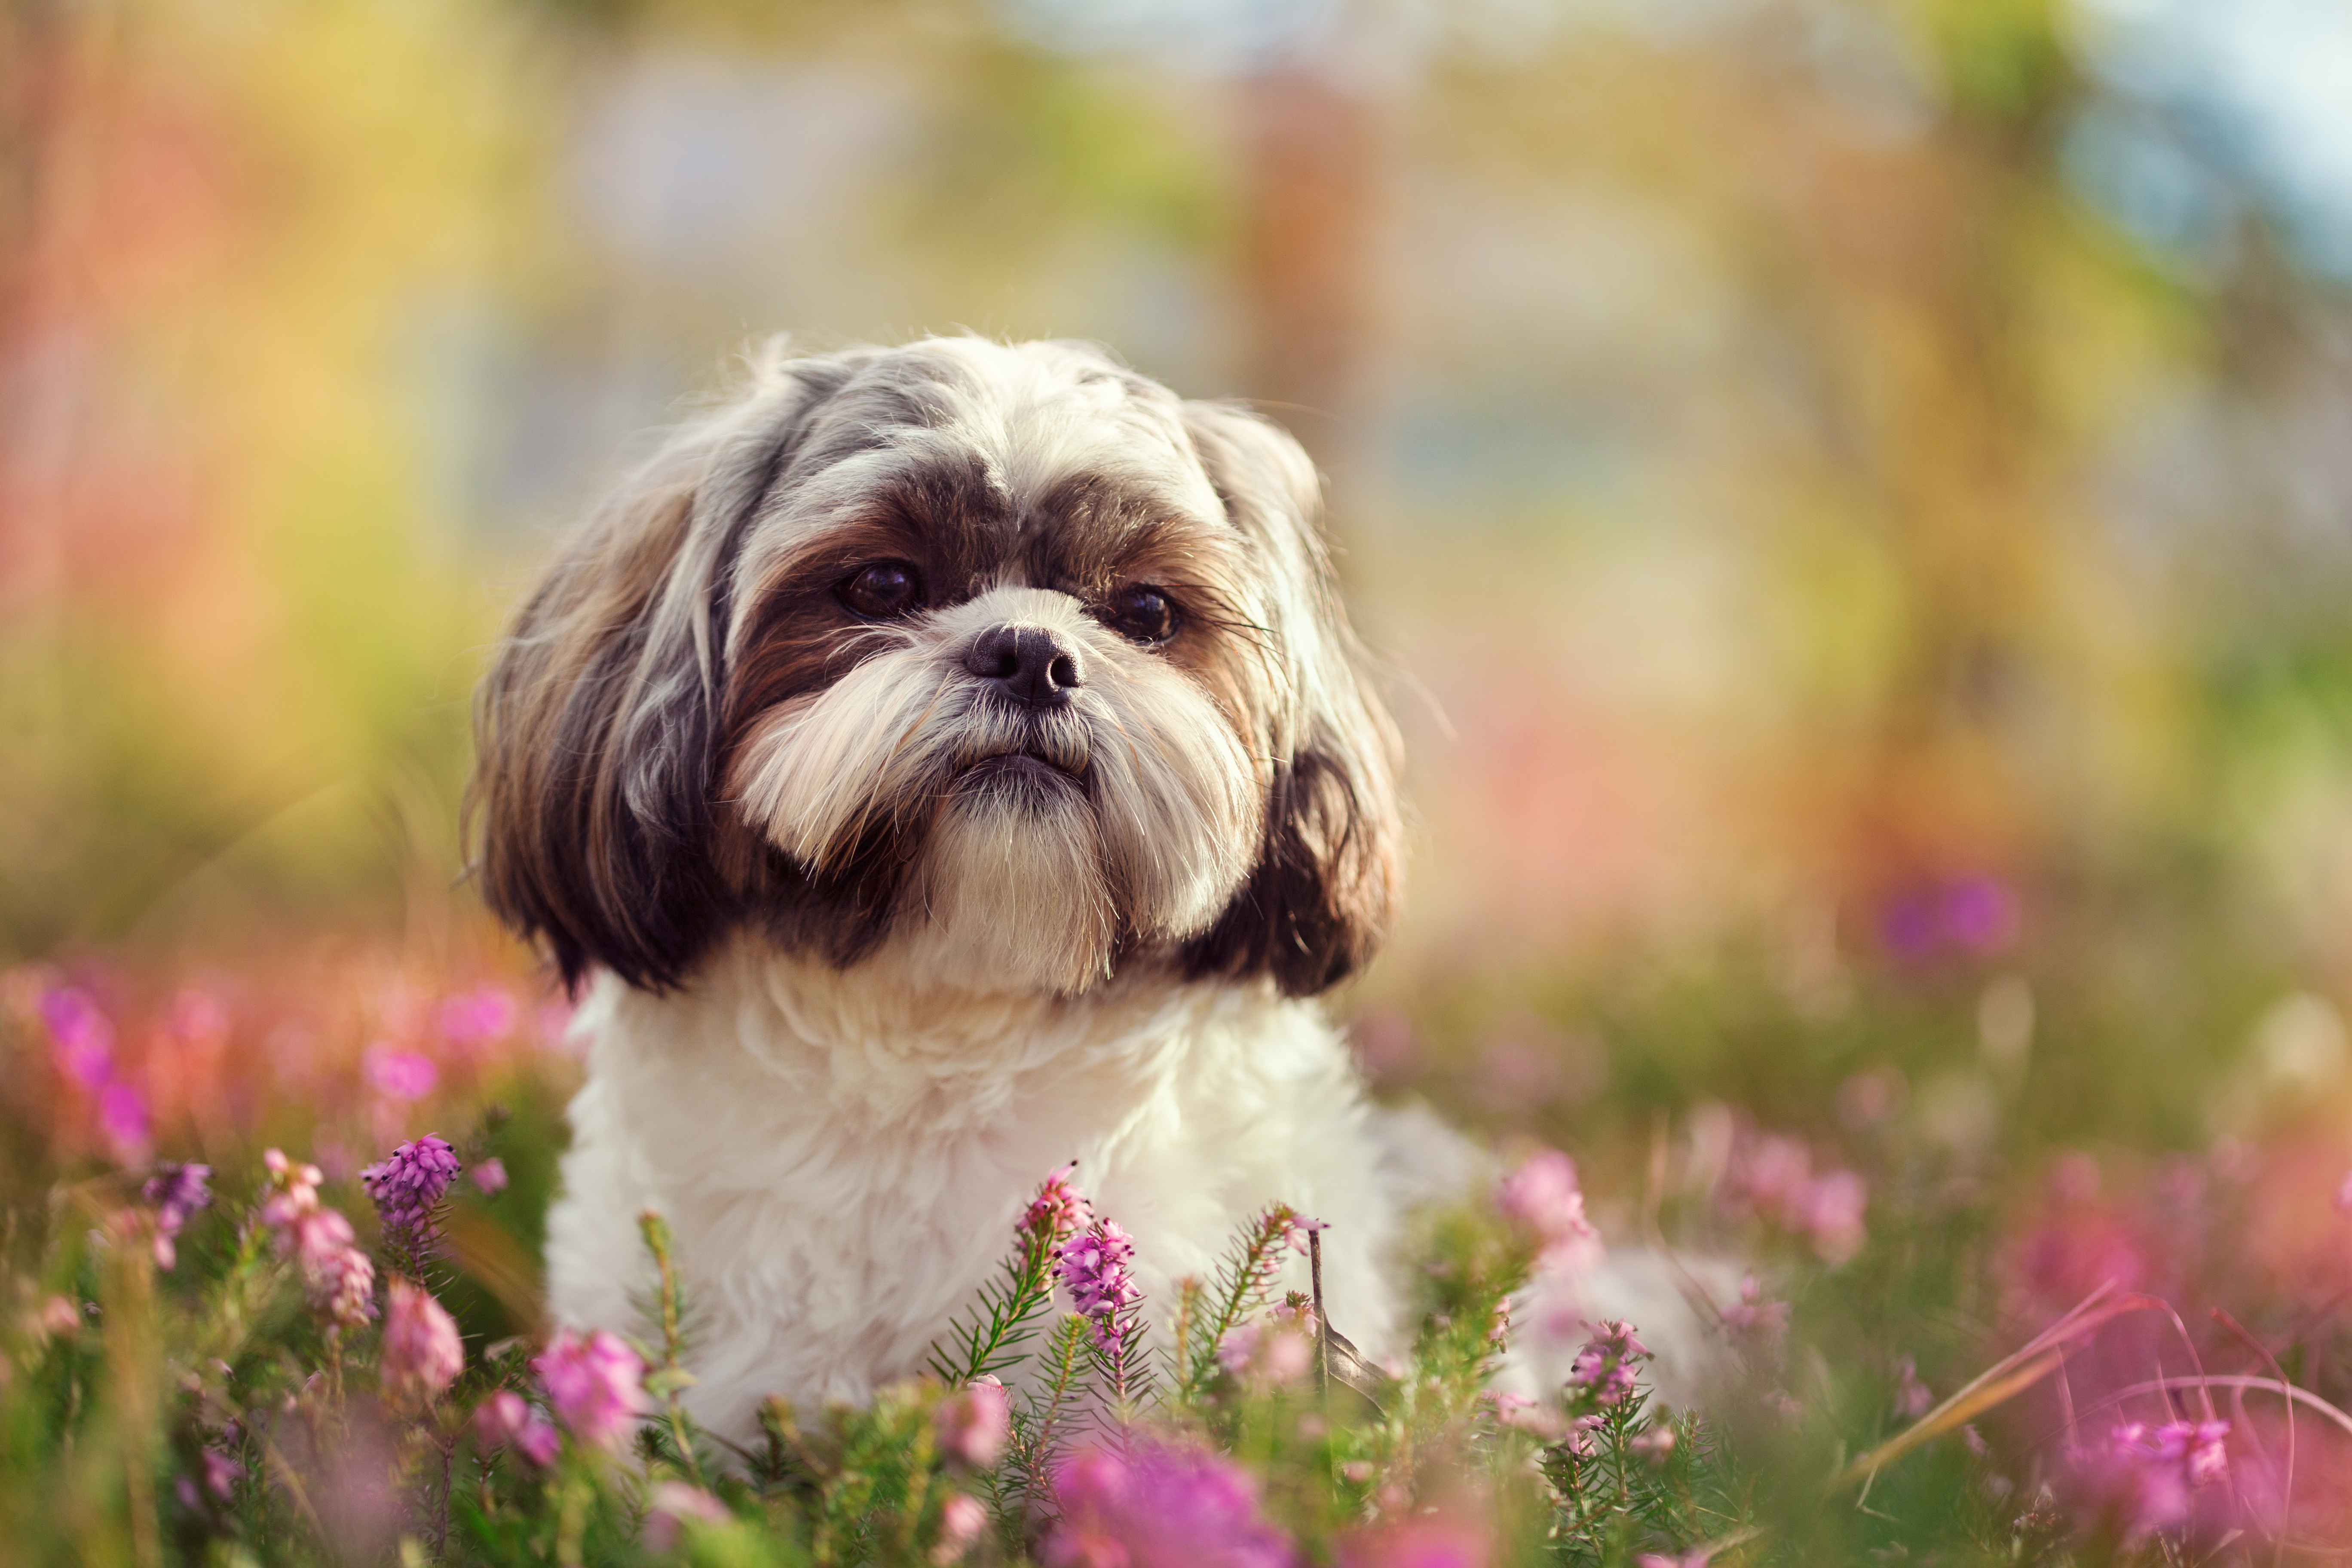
1028	664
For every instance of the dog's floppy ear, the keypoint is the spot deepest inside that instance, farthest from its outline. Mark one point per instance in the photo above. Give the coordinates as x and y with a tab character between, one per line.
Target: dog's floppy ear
596	733
1325	888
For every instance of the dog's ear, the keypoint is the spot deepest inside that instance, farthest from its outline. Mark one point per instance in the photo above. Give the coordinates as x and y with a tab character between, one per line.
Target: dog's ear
1325	888
597	730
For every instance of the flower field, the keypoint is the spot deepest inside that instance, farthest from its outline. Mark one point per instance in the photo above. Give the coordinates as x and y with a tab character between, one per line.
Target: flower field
273	1299
1848	497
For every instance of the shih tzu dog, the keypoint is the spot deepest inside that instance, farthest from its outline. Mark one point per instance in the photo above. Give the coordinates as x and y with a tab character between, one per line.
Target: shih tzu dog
939	763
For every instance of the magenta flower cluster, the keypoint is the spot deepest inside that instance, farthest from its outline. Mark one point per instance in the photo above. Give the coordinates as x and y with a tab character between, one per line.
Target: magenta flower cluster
506	1418
1058	1210
1098	1269
1773	1177
2152	1473
973	1422
81	1039
422	1354
1161	1507
595	1383
176	1191
1542	1196
339	1278
409	1183
1604	1370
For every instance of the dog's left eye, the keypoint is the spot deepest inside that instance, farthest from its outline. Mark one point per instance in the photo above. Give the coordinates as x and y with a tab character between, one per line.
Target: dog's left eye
885	589
1142	613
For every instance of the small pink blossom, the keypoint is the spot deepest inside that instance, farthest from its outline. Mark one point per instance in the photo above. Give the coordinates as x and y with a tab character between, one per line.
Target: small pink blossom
962	1521
1655	1443
1520	1414
1755	1320
675	1505
1058	1209
2150	1475
1161	1507
221	1473
122	1118
1268	1351
972	1422
478	1018
1604	1370
1913	1398
422	1353
1098	1269
506	1418
81	1036
596	1385
339	1278
1542	1195
396	1074
177	1192
489	1175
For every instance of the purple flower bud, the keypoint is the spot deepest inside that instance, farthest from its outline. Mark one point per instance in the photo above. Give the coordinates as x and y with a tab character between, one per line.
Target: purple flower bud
177	1192
411	1182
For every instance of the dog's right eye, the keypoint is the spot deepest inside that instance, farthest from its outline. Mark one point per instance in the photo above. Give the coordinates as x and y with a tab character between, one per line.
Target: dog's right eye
885	589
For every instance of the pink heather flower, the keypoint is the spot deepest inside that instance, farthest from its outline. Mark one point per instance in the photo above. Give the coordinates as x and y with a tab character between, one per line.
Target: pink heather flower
1058	1210
1271	1350
507	1417
410	1183
596	1385
81	1036
1095	1269
478	1018
339	1278
396	1074
422	1354
177	1192
489	1175
1542	1195
675	1504
122	1118
1603	1371
1913	1398
1756	1320
2151	1472
221	1473
1427	1541
1159	1507
972	1422
1829	1209
1655	1443
1520	1414
962	1519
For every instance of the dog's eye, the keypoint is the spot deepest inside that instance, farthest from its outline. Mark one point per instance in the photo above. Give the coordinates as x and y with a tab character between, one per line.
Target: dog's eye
1145	614
885	589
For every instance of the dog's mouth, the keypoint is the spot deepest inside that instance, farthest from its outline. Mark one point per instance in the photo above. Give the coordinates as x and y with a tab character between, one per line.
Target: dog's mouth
1027	764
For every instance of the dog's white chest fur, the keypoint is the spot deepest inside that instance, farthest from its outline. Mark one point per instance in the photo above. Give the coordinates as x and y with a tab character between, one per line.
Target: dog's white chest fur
842	1153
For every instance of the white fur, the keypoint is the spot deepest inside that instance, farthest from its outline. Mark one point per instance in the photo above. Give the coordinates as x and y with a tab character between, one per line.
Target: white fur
842	1153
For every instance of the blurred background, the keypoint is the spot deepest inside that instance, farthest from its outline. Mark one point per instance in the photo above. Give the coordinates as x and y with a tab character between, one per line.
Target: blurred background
1855	496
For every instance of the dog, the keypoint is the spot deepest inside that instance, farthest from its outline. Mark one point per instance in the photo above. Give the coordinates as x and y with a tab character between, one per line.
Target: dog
936	764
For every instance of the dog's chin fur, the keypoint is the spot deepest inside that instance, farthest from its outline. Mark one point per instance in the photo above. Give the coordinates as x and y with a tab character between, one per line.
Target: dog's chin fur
843	1154
872	938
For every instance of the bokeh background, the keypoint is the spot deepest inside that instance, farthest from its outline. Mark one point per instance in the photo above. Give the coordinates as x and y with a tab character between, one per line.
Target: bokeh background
1856	498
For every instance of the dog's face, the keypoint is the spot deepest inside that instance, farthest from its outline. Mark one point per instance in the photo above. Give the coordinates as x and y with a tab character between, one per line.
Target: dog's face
1006	654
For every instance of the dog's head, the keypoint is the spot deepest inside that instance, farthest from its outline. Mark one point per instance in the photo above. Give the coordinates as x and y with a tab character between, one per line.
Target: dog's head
1003	652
